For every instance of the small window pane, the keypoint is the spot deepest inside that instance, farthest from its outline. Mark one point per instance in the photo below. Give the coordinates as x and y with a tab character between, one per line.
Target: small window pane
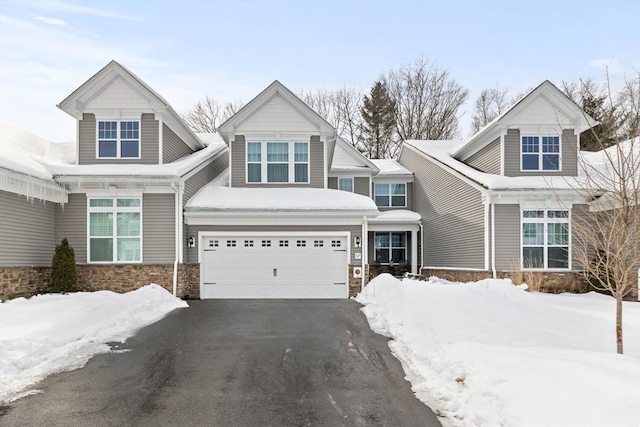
550	144
128	224
532	257
254	172
550	162
129	249
277	173
398	240
558	214
277	152
381	189
107	130
302	172
398	201
107	148
533	214
101	250
382	256
398	189
558	257
97	203
126	203
381	240
129	149
254	152
382	200
398	255
530	144
301	152
558	234
345	184
101	224
532	234
129	130
530	162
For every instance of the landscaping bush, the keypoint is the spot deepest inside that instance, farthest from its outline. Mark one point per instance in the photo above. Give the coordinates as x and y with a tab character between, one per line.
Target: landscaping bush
63	269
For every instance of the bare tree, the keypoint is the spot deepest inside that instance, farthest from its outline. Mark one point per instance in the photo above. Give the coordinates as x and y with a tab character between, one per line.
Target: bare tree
207	114
629	103
427	101
489	105
607	235
341	108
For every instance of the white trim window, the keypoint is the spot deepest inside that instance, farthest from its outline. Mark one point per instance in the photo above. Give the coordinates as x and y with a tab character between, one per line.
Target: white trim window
345	184
277	162
546	240
390	247
540	153
390	195
114	227
118	139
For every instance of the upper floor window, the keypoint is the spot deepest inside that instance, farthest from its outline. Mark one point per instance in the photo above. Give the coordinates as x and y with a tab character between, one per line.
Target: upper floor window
540	153
545	239
118	139
284	162
390	194
115	229
345	184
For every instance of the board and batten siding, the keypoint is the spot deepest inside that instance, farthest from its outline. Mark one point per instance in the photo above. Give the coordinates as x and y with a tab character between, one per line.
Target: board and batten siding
488	159
27	231
204	176
191	254
149	138
568	160
71	222
173	148
238	165
452	215
158	228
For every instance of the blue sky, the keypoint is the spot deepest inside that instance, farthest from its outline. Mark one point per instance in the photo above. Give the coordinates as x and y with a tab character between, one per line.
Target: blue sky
232	50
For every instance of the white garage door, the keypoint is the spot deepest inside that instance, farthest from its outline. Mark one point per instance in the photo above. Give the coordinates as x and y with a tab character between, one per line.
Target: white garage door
274	266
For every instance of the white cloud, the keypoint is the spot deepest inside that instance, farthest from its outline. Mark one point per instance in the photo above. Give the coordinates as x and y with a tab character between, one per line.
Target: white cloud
610	65
69	7
51	21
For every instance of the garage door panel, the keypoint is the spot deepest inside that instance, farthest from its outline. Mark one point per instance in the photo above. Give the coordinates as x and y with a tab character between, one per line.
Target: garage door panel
291	267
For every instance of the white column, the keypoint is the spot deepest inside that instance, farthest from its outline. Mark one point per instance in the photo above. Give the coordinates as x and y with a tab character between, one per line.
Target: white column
414	251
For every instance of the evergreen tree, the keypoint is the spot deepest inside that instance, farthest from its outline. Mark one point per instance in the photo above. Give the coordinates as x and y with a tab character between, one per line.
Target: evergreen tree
378	113
63	269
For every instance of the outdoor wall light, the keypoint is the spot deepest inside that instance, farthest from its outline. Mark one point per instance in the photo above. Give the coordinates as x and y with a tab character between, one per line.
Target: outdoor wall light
356	242
191	242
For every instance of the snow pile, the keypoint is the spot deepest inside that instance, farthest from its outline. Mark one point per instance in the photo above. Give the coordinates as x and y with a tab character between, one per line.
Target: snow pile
53	333
488	353
396	215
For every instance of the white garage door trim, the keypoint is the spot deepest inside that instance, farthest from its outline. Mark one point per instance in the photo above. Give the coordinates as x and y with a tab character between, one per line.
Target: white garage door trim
273	290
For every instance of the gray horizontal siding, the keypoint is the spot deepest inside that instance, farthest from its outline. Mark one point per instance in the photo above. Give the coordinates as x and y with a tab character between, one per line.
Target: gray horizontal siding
191	254
27	231
158	228
507	221
332	182
316	165
149	142
569	155
204	176
71	222
361	185
173	147
452	215
488	159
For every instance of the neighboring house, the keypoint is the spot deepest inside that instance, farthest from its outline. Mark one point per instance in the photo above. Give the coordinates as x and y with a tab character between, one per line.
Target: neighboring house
503	200
276	205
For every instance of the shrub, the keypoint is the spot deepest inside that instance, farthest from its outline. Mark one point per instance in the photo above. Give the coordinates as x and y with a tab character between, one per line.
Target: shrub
63	269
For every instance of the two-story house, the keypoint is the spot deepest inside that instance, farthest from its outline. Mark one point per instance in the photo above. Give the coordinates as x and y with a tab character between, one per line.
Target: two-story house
503	200
275	205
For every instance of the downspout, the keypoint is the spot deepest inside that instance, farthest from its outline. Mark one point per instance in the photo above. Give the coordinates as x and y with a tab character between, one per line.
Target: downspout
493	239
178	234
421	248
365	247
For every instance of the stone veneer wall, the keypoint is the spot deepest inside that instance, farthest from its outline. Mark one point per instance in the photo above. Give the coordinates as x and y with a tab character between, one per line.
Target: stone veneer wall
355	283
28	281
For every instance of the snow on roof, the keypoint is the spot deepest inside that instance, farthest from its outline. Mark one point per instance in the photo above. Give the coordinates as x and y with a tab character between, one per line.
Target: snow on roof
210	138
390	167
217	197
174	169
24	152
397	215
442	151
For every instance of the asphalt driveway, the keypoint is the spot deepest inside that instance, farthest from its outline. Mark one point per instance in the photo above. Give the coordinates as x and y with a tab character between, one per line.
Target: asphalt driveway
236	363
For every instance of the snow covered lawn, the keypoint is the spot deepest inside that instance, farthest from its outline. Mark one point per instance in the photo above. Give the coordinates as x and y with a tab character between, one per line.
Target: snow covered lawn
489	353
53	333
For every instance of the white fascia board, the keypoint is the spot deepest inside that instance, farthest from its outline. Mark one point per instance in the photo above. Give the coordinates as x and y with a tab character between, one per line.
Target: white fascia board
301	220
393	178
394	226
348	173
539	198
150	184
205	163
32	187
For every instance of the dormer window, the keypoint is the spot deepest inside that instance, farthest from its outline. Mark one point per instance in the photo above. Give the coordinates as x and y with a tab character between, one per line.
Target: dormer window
540	153
390	195
277	162
118	139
